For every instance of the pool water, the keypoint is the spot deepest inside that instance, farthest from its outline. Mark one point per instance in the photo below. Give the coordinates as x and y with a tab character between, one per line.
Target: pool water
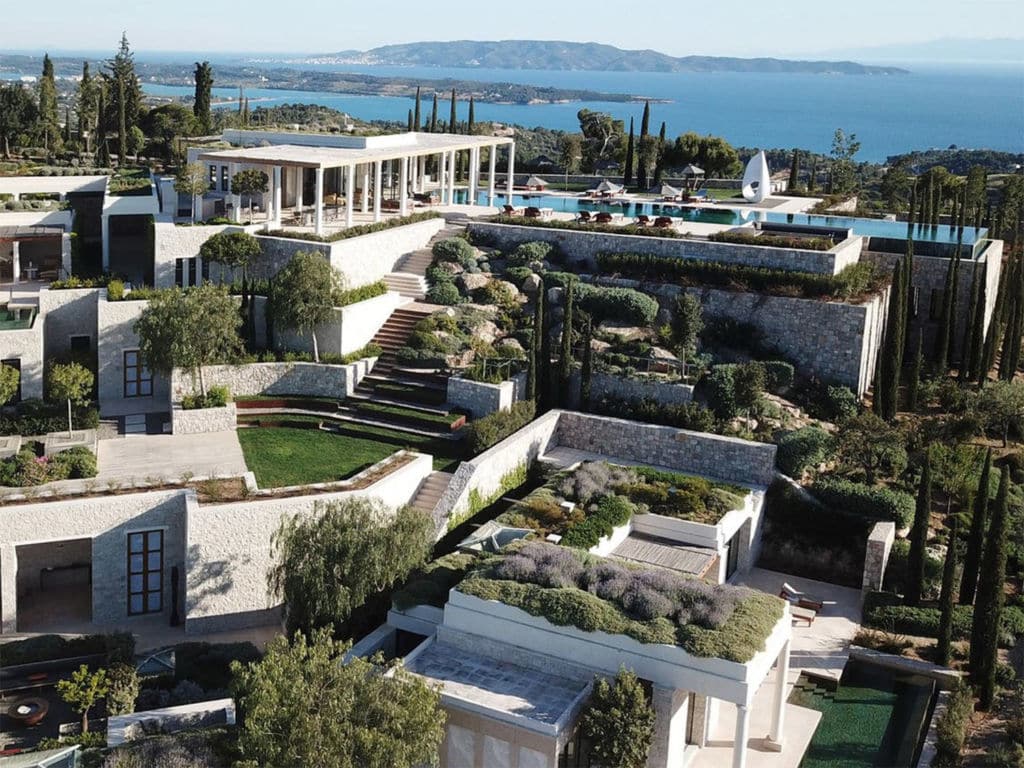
875	717
894	230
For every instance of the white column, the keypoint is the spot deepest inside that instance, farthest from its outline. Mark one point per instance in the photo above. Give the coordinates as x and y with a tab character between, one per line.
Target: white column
474	172
236	200
277	196
65	254
779	710
442	162
300	176
376	191
422	174
16	261
105	236
413	167
511	170
451	178
366	188
403	182
318	202
492	160
739	745
350	201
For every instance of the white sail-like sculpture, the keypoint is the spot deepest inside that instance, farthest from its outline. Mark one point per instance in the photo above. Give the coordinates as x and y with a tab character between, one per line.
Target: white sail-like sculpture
757	182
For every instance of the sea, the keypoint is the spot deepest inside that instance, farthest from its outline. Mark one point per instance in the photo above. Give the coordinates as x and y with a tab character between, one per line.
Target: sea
978	106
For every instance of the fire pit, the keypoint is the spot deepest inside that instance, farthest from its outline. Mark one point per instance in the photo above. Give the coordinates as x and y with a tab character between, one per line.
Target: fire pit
28	711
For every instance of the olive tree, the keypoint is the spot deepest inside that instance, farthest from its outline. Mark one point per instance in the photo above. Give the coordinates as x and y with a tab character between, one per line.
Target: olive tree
71	382
192	181
249	183
231	250
82	690
303	296
304	702
189	329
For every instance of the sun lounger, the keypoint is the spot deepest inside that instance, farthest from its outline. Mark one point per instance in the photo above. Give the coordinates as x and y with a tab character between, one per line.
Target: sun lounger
532	213
663	221
643	220
801	599
603	218
802	614
584	216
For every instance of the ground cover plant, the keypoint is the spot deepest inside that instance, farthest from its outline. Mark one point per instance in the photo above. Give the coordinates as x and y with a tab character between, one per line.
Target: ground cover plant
569	588
29	467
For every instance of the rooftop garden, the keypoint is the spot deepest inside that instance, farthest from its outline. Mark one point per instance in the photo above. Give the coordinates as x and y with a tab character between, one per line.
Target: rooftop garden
130	182
579	226
356	231
570	588
797	242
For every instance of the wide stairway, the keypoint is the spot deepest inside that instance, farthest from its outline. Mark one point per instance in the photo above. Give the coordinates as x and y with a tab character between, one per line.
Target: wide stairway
408	275
430	491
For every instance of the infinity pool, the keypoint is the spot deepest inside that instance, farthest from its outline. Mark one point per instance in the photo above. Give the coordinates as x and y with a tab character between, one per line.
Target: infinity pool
894	230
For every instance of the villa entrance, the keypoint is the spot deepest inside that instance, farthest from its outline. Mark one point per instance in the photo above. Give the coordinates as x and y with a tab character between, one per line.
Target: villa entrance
54	586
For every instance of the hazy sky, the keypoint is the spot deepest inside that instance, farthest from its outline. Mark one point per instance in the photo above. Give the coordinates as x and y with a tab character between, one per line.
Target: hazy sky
739	28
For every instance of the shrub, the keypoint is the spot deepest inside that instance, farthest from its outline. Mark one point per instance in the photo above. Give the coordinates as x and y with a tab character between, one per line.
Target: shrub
35	417
445	294
357	231
498	293
802	448
209	665
215	397
117	647
841	402
577	226
873	502
951	729
492	429
115	290
720	391
623	304
430	585
77	463
518	274
610	512
456	250
692	416
778	374
592	479
123	689
527	253
773	240
362	293
436	274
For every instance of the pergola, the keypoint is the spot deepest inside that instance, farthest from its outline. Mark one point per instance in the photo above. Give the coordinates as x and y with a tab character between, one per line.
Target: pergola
366	158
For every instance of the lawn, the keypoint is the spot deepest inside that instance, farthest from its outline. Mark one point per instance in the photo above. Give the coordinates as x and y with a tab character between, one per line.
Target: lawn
281	456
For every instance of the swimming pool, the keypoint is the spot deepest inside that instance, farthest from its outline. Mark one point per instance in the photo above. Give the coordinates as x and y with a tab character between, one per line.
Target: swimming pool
890	230
875	717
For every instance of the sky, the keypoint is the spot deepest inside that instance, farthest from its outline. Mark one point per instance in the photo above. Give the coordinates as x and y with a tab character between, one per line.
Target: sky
740	28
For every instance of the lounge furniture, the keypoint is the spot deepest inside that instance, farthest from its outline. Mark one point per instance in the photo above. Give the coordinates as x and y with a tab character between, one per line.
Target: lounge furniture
663	222
603	218
643	220
801	599
510	210
802	614
584	216
531	212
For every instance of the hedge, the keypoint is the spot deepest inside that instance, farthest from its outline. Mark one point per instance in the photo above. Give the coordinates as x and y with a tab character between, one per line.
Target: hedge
118	647
577	226
456	250
773	241
492	429
623	304
882	611
612	511
26	468
868	501
362	229
362	293
445	294
35	417
855	280
802	448
431	583
951	729
692	416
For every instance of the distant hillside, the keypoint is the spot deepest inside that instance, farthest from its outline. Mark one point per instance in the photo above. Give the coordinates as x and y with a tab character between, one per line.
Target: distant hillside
547	54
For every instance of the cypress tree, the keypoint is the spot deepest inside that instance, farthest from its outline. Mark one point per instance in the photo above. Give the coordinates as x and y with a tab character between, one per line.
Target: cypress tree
433	116
812	180
794	170
453	118
940	349
877	390
659	161
967	358
245	112
86	107
408	121
204	86
102	151
627	178
919	536
565	359
946	596
989	606
416	116
892	358
954	323
908	269
122	126
976	540
49	118
535	344
645	129
914	382
471	120
1010	359
67	125
587	365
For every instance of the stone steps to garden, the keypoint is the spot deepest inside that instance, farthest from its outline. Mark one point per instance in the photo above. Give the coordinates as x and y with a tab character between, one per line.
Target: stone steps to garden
411	286
416	263
344	417
430	491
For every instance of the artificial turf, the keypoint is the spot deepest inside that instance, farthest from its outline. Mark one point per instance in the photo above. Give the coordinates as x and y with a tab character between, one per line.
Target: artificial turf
282	456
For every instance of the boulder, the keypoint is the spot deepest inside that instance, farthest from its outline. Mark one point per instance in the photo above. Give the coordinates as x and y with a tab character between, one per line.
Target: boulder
555	295
451	267
470	282
623	331
599	346
510	287
512	346
660	353
531	284
486	331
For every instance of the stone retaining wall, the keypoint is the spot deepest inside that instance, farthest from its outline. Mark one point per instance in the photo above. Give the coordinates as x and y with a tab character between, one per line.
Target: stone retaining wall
200	421
301	379
876	555
138	725
583	247
628	388
479	398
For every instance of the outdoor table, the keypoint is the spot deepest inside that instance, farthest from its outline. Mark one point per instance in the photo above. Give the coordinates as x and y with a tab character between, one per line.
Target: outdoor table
28	710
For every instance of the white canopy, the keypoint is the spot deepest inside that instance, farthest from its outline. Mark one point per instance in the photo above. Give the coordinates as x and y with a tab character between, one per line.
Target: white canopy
608	186
536	181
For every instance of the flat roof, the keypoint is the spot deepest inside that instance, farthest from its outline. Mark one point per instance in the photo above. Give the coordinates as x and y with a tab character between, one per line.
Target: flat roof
664	553
403	145
26	232
511	692
53	185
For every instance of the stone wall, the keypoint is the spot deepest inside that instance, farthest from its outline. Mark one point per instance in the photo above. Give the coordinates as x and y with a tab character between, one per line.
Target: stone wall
876	556
26	346
351	328
229	549
137	725
479	398
583	248
115	321
200	421
364	259
634	388
68	313
172	242
107	522
305	379
832	340
724	458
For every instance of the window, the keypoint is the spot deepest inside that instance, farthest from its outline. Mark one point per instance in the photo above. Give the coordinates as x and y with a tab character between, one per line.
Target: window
138	381
15	363
732	561
205	271
213	177
179	272
224	185
145	572
81	345
191	271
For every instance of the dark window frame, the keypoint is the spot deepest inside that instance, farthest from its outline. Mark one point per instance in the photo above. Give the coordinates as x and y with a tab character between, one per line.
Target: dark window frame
142	378
146	592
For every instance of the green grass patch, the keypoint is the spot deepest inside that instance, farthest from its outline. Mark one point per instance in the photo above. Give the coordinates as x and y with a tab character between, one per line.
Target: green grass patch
444	420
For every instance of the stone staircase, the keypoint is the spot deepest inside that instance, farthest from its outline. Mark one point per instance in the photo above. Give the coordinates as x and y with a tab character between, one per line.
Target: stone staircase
430	491
408	285
408	275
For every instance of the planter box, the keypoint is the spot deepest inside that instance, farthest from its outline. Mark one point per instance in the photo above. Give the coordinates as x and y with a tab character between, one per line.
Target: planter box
202	420
478	398
9	445
60	441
